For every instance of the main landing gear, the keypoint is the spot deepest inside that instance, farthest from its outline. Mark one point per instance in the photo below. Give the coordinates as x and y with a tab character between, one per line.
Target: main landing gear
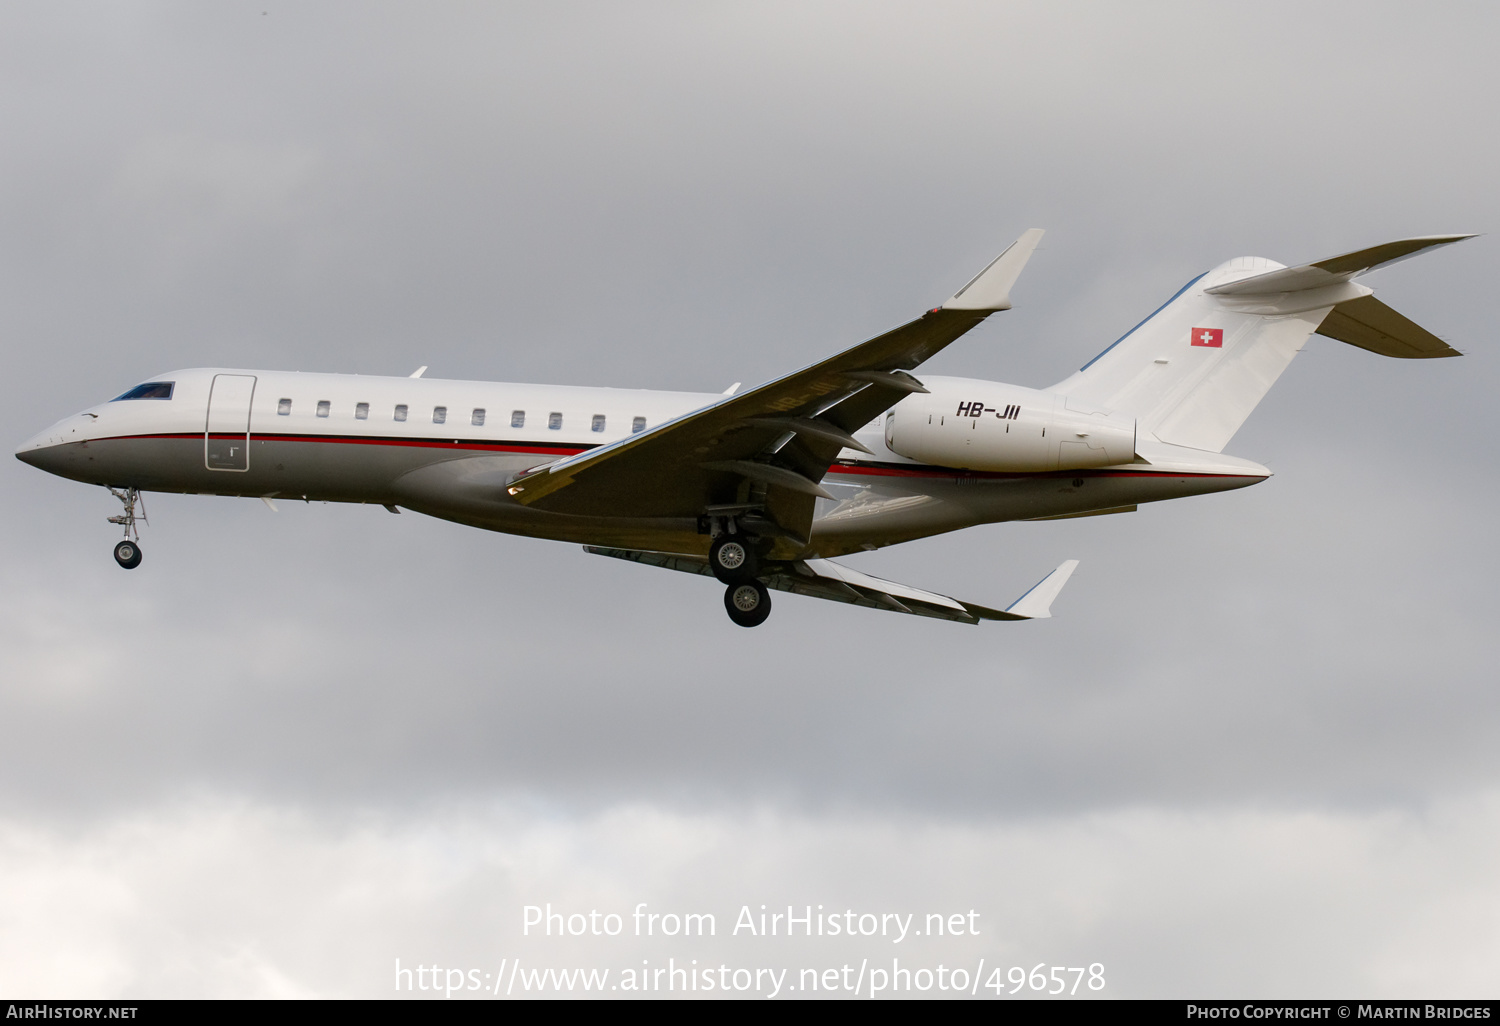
128	552
748	603
733	559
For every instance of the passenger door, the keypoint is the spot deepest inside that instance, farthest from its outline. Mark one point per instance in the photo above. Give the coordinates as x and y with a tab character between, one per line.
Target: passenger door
226	438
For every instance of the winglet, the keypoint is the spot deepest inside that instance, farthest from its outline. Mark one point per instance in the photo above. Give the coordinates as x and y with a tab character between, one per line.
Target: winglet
1036	604
990	288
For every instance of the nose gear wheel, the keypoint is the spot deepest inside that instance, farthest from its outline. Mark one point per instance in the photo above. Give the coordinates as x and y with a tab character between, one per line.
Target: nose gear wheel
128	555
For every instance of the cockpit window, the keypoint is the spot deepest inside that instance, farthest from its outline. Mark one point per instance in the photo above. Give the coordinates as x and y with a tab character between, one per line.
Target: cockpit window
150	390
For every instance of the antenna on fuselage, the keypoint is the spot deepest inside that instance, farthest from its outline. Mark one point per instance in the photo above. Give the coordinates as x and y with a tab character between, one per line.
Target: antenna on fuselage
418	372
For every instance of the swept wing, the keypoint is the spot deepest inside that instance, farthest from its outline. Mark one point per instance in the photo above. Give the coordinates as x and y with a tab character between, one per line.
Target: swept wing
774	442
825	579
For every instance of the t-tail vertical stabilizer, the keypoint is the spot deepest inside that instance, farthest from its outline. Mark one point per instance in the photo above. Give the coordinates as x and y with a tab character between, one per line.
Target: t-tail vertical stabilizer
1193	371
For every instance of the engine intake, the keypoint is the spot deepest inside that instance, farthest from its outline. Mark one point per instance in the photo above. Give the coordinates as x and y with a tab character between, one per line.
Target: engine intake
988	425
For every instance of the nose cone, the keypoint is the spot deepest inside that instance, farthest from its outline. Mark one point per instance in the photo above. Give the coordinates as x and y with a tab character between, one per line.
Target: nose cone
46	451
30	451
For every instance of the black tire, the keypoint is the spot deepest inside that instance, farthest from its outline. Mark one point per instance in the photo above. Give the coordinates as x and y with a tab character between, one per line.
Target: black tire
128	555
732	559
748	603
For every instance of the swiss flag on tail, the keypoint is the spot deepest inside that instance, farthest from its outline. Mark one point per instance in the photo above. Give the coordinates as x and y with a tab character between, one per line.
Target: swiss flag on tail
1213	338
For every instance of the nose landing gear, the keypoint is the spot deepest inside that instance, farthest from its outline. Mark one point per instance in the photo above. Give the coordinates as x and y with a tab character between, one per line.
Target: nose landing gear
128	552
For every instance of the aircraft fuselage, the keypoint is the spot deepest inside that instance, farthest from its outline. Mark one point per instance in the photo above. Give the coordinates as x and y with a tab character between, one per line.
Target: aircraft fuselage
449	449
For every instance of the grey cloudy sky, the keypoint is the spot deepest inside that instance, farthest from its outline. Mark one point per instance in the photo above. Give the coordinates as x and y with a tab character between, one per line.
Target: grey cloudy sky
1255	751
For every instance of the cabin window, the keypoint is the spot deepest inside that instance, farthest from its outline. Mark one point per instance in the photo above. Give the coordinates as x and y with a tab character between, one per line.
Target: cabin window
440	414
401	412
150	390
284	408
638	425
517	418
323	407
361	411
478	419
598	422
554	421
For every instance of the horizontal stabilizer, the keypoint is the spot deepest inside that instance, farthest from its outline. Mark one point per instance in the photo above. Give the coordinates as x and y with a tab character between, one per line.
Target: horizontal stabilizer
1333	270
825	579
1370	324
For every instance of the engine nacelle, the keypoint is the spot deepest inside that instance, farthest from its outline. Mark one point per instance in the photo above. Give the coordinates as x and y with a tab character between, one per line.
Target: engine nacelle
987	425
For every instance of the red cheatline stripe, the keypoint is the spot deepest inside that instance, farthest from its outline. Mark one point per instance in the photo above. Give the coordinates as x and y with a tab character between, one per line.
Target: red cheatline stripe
845	469
854	469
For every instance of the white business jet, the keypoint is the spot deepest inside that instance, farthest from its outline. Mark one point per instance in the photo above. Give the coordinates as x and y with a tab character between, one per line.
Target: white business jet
761	489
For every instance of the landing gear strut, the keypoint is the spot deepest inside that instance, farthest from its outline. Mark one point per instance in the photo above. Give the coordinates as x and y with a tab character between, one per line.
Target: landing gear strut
128	552
748	603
